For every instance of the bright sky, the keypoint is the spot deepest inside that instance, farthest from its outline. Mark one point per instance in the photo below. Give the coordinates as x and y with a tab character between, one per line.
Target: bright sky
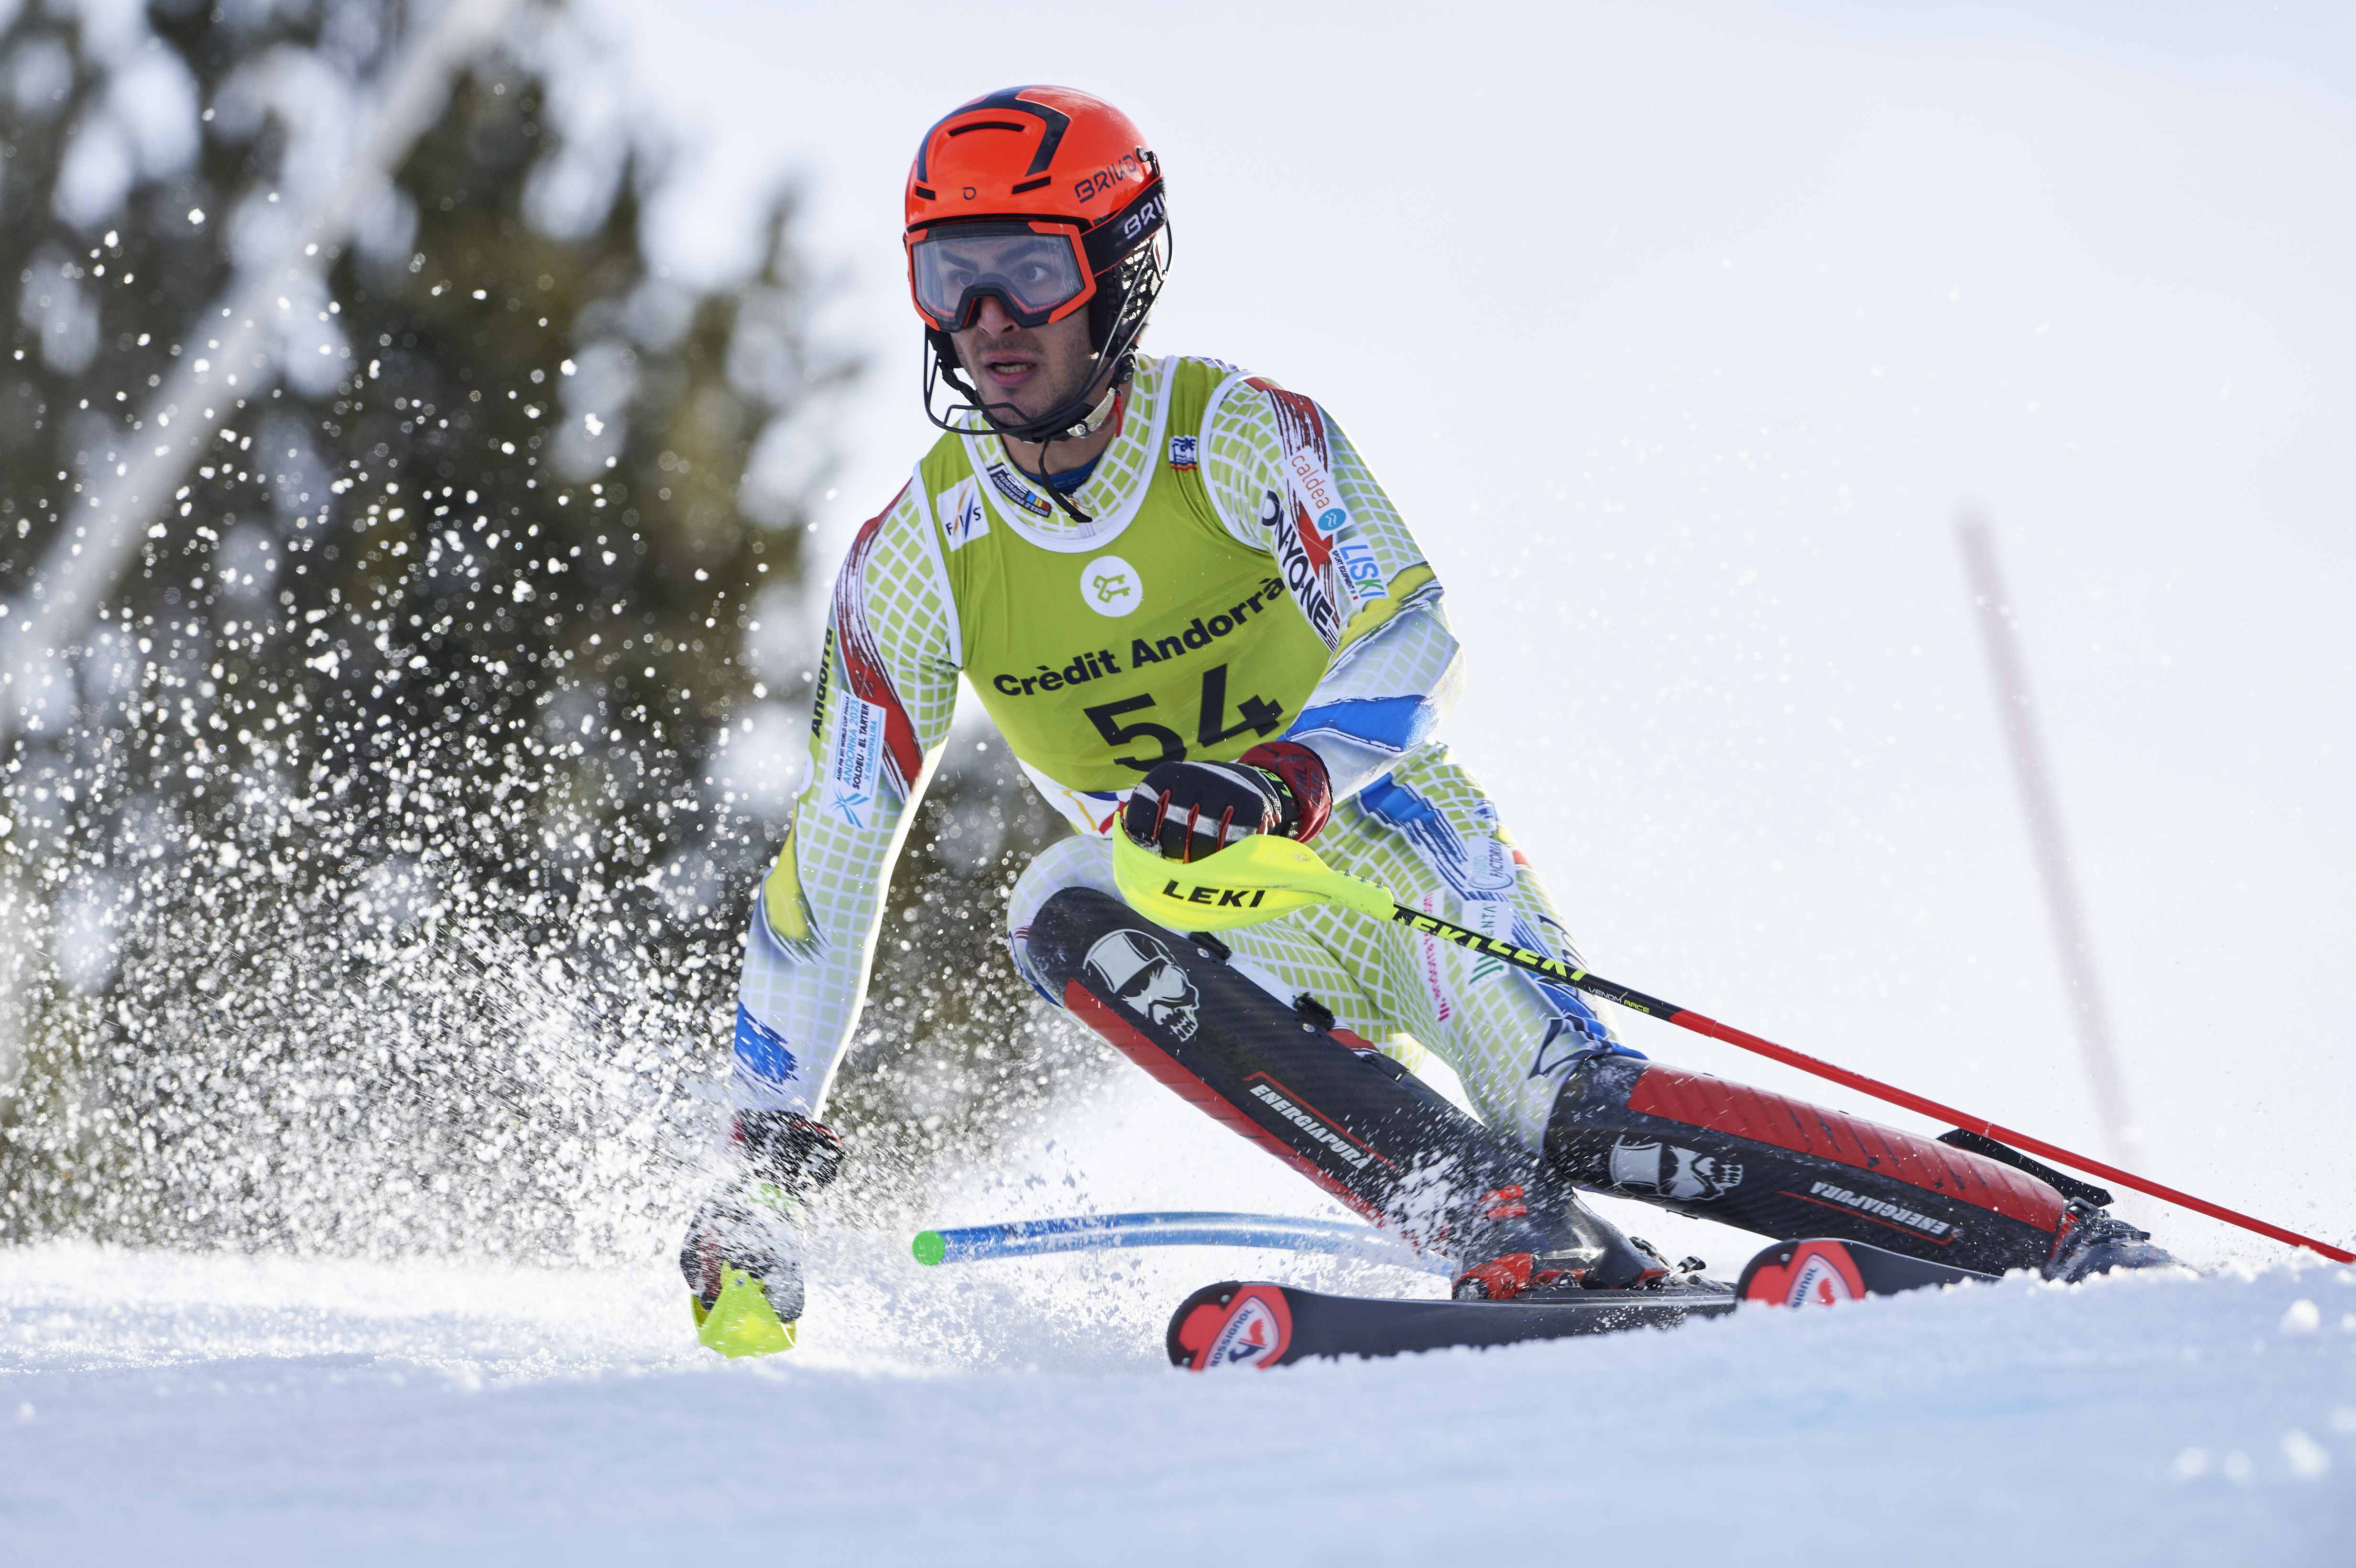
1681	337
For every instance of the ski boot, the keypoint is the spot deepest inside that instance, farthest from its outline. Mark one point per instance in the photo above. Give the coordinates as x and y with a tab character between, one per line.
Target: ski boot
2094	1240
743	1254
1534	1244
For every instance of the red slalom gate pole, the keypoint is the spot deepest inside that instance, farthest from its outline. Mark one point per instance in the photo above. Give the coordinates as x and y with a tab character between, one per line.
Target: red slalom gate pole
1686	1017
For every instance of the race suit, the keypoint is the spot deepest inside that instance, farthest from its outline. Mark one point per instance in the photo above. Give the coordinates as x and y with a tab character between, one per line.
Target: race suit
1242	578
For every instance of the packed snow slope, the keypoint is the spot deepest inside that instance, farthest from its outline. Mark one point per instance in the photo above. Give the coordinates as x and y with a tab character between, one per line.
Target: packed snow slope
218	1409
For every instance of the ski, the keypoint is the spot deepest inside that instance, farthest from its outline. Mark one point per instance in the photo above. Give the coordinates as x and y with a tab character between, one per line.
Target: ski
1239	1323
1824	1273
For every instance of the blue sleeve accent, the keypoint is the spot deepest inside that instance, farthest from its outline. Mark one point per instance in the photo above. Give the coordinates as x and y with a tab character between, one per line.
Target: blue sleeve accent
761	1051
1396	724
1392	806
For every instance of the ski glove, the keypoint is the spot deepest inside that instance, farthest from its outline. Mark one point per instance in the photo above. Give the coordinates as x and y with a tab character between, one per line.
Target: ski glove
1188	810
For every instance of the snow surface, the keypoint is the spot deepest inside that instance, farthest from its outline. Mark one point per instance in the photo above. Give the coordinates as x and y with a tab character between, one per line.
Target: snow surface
206	1407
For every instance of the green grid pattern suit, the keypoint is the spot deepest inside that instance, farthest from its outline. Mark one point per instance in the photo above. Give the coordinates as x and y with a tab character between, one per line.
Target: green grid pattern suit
1241	575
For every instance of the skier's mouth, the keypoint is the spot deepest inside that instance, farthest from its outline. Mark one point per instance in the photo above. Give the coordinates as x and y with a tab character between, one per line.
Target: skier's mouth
1010	370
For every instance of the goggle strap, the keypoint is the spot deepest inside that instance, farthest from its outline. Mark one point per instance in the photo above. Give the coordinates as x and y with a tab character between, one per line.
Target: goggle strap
1125	231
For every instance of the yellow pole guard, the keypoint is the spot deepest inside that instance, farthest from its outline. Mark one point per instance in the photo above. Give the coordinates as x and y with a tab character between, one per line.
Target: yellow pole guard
1254	880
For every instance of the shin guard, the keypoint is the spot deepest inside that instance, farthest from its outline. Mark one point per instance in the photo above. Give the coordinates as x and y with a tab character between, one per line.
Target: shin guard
1323	1100
1718	1150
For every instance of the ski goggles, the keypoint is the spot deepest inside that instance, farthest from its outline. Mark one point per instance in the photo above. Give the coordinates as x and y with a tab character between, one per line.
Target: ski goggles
1036	271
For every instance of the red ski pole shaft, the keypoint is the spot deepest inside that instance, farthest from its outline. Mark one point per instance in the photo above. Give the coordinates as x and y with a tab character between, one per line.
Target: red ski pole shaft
1986	1128
1685	1017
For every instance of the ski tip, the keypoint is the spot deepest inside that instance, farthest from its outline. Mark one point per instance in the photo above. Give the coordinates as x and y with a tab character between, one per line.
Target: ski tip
1802	1273
1230	1325
929	1247
1821	1272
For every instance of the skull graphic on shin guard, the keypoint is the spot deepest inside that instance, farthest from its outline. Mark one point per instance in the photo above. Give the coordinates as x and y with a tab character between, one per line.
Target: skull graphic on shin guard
1139	970
1672	1172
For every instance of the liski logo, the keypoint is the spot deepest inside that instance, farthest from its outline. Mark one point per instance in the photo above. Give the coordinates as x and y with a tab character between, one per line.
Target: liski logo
1181	451
1136	968
1673	1172
1359	568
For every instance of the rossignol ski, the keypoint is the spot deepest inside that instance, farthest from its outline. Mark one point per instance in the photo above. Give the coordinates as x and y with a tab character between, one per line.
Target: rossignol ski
1258	1324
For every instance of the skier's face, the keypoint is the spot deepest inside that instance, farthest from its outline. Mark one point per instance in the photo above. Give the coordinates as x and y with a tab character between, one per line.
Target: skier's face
1034	367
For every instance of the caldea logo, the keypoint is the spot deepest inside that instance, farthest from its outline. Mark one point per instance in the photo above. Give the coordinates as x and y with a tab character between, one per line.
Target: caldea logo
963	517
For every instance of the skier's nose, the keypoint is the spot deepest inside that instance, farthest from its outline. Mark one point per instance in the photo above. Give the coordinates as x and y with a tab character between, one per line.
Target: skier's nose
992	316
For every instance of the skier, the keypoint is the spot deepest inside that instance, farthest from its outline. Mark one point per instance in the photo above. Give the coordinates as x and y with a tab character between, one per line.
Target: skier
1194	616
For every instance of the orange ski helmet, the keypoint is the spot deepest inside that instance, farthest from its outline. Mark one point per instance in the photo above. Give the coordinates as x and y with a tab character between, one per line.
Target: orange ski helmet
1047	200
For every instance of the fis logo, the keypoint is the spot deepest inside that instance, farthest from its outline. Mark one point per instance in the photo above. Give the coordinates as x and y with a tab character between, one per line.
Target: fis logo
1181	451
963	517
1139	971
761	1052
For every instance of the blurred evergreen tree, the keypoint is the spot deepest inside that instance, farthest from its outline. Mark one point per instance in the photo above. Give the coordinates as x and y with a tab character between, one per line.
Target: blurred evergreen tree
412	727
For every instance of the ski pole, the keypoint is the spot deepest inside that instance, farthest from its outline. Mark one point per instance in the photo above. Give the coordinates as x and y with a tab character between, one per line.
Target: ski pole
1686	1017
1093	1232
1261	877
